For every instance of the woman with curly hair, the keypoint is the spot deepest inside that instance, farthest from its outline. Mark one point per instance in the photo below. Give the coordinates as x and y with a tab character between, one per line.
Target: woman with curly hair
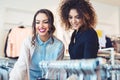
80	16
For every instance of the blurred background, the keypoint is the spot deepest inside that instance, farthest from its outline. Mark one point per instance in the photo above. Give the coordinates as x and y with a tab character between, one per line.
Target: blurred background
14	13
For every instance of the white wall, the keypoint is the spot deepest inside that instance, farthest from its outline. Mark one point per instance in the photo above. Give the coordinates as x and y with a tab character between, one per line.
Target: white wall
119	20
108	18
1	31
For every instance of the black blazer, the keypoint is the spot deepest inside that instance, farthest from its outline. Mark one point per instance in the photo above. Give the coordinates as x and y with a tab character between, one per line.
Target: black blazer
85	46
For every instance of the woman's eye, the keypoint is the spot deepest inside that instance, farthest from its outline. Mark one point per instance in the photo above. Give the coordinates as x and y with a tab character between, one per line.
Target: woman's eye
46	22
37	22
70	17
78	17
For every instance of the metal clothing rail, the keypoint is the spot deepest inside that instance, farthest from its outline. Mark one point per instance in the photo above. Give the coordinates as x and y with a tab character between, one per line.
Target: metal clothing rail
112	58
111	52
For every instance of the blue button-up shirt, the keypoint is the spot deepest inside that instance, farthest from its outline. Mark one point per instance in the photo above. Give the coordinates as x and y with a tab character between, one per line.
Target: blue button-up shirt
48	50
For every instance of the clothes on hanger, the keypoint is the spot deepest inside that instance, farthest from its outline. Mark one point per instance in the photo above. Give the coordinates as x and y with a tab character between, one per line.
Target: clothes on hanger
108	42
71	69
15	39
6	65
102	40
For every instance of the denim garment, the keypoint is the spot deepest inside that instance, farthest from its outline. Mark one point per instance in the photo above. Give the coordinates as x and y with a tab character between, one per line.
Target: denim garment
4	74
43	51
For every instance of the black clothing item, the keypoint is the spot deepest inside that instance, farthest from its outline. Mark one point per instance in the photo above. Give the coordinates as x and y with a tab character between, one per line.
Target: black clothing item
108	42
6	43
84	44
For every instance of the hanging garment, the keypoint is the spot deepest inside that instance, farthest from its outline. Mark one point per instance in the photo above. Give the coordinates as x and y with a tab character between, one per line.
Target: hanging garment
15	39
71	69
3	74
6	66
108	42
102	39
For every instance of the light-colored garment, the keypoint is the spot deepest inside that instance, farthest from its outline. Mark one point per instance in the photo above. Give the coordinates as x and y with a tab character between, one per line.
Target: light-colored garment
21	67
71	69
73	77
15	39
3	74
102	39
44	51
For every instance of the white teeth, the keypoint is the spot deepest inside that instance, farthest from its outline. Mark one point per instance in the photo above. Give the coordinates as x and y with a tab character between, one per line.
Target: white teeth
42	30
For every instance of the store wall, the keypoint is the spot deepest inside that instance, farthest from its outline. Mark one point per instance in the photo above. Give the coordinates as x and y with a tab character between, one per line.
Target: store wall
108	18
1	32
119	20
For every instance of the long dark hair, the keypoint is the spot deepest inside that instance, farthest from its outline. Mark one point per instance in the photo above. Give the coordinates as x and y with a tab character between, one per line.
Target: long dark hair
50	21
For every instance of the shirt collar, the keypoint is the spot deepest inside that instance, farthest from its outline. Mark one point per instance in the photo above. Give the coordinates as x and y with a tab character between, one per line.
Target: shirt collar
40	42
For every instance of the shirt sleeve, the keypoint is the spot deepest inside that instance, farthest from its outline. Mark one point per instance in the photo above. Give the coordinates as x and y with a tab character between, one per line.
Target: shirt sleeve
19	70
91	46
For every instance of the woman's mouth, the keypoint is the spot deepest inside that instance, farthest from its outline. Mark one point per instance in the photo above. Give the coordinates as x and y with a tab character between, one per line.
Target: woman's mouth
42	30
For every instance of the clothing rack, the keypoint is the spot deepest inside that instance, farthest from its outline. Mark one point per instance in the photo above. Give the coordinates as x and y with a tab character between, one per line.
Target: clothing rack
112	60
6	66
87	69
83	69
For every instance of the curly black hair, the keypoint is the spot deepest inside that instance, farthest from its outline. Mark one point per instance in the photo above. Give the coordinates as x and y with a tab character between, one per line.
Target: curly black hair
84	9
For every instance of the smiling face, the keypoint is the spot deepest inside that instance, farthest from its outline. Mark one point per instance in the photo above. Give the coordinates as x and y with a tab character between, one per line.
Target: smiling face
74	19
42	24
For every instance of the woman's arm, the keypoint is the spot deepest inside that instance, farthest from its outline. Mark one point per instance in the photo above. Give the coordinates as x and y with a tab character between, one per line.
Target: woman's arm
61	52
19	70
91	45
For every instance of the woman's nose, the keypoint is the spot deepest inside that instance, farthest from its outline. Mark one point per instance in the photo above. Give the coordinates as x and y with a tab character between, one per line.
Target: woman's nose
41	24
73	20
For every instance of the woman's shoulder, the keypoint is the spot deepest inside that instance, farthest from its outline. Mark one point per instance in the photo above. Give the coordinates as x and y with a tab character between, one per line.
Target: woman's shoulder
27	40
91	32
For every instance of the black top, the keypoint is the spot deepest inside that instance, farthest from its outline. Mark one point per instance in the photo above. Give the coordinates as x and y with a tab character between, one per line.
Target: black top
85	45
